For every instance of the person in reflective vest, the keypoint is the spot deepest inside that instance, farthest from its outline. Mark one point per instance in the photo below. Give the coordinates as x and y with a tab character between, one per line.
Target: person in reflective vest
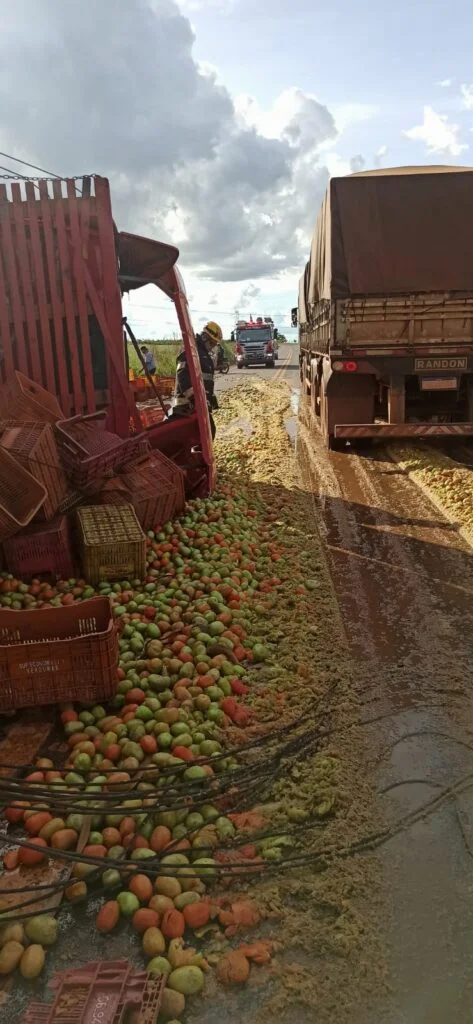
210	337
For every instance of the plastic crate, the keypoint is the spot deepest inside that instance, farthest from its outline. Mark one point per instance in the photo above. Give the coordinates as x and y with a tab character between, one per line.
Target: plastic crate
23	399
49	655
43	549
109	993
113	492
34	445
21	496
71	500
151	415
112	543
90	453
156	489
165	386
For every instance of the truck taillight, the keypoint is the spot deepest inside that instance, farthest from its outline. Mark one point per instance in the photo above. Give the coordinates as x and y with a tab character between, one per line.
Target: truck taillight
347	367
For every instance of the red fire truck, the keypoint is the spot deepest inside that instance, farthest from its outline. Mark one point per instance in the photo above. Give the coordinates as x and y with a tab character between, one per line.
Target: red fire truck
255	342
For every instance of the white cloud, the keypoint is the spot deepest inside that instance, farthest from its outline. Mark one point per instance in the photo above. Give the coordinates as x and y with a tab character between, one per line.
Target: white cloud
438	133
467	96
357	163
114	87
337	167
291	108
352	113
379	155
193	6
247	300
445	83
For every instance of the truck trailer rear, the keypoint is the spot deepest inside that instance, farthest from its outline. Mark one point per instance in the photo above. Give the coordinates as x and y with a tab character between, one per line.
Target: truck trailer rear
385	310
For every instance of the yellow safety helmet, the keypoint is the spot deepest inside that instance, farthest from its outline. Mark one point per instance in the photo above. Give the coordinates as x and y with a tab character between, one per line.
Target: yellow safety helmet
213	332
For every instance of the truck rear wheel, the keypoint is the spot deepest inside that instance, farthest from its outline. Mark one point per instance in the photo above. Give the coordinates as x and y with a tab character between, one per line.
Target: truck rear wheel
331	442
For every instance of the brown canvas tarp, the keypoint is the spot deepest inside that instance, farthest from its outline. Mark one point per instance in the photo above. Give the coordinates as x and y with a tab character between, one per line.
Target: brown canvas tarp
394	232
303	282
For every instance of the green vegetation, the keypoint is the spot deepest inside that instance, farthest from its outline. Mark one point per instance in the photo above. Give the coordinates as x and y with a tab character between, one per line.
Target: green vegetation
165	353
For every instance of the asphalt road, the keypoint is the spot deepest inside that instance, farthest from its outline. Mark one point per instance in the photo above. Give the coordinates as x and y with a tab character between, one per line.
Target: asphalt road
286	368
403	579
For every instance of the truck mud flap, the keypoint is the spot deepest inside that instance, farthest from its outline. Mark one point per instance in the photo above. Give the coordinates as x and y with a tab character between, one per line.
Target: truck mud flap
354	430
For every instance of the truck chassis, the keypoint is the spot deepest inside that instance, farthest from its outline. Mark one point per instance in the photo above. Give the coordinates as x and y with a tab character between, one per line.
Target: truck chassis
391	368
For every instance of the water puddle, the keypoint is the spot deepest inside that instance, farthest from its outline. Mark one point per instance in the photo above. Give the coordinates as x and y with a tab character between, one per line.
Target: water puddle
290	422
295	397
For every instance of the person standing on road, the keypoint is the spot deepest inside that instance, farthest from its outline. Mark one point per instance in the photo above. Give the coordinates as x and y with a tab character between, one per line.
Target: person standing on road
206	342
149	359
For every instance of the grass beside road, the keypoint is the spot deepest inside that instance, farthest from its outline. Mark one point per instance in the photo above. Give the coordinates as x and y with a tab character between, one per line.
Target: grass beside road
165	353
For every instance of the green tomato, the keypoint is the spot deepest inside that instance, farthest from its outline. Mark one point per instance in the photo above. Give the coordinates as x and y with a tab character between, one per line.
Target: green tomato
143	713
128	902
98	712
164	740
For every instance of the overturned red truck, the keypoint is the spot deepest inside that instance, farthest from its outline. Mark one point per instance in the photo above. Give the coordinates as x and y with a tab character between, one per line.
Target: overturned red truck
385	308
64	267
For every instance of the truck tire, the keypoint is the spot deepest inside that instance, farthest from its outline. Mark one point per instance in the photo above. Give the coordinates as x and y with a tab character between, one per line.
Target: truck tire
270	365
331	442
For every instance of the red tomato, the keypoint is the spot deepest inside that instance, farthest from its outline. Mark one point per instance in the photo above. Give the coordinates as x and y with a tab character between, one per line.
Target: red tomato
148	744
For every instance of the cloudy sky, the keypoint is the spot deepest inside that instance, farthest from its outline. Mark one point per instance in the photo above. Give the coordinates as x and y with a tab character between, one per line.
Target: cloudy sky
219	125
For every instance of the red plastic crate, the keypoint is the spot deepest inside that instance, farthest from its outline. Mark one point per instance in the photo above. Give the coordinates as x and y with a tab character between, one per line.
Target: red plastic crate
151	416
165	386
113	492
71	500
49	655
156	489
106	992
23	399
21	496
43	549
34	445
90	453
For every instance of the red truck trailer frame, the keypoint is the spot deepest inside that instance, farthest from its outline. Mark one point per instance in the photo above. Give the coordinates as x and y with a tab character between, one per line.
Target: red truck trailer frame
63	269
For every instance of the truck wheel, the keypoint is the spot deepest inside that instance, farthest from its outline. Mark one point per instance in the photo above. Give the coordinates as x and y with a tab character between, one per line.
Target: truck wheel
331	442
270	365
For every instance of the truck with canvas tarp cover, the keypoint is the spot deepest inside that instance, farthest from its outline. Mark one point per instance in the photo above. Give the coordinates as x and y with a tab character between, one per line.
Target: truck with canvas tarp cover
385	307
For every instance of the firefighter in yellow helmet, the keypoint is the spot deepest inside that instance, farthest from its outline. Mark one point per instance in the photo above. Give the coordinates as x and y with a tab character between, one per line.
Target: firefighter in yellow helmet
207	341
